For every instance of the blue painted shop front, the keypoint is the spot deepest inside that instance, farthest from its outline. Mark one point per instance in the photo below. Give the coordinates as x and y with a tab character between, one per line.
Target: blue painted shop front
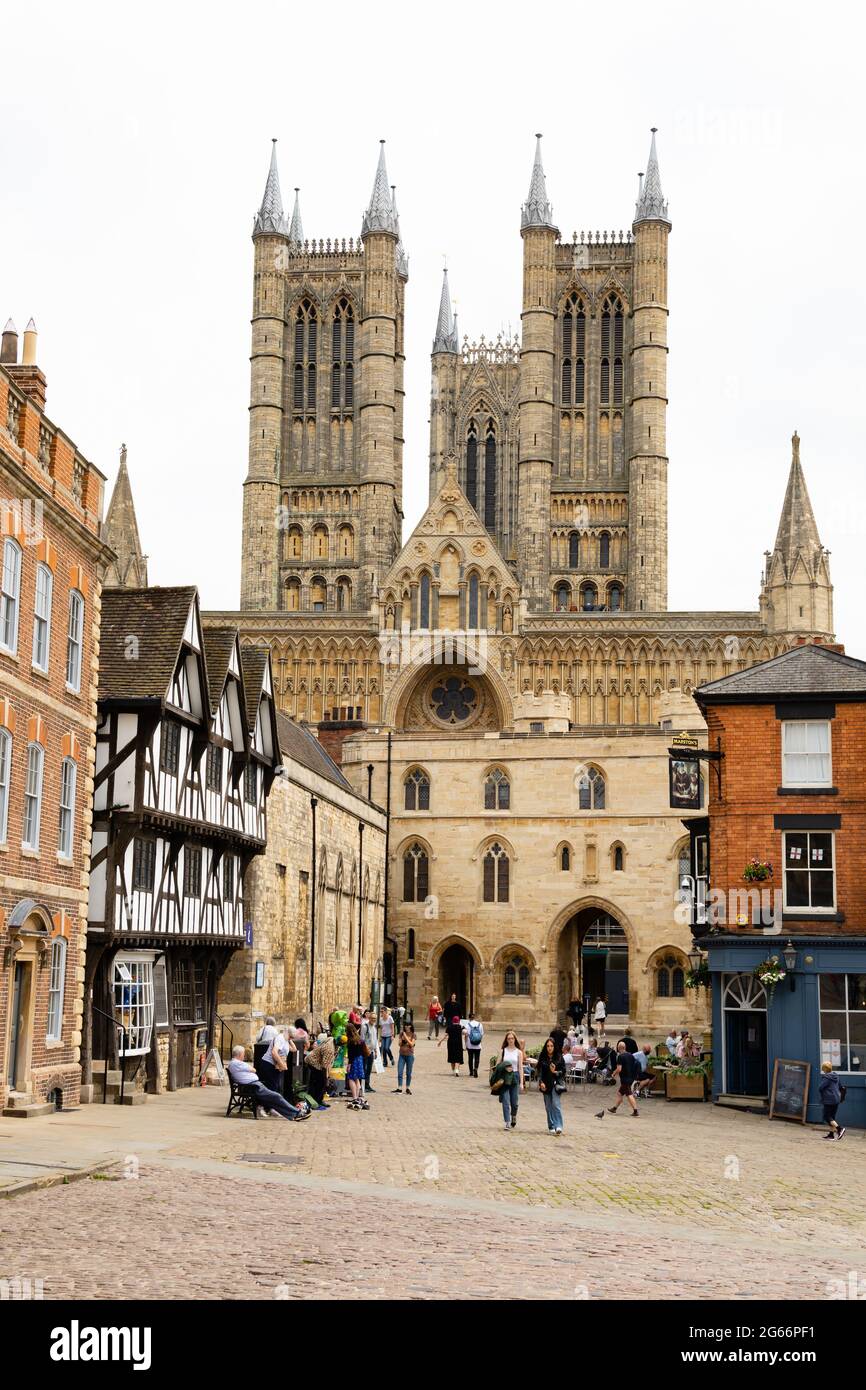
823	1018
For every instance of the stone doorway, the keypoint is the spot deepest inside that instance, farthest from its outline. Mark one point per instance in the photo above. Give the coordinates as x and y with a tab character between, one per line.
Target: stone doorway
457	976
592	961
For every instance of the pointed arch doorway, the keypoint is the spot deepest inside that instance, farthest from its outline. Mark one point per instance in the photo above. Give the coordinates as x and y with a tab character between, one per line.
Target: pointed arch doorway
593	960
457	976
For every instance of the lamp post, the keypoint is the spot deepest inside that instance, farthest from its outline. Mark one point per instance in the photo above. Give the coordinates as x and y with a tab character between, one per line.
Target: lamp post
790	957
696	959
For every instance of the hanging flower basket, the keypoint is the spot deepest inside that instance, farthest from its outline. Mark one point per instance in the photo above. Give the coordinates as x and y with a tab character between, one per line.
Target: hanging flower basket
700	978
769	973
757	871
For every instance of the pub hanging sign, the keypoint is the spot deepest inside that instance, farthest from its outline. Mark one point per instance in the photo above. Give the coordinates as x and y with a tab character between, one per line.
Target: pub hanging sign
685	773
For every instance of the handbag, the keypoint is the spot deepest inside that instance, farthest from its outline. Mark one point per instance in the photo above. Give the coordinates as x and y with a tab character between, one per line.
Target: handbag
559	1086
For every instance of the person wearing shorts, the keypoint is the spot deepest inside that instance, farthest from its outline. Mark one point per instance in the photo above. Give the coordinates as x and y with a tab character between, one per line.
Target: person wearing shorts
624	1073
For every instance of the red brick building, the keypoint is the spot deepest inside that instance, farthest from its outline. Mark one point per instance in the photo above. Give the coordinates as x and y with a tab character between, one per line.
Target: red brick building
51	563
788	791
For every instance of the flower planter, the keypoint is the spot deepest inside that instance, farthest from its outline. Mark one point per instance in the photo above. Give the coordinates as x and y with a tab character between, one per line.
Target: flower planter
685	1087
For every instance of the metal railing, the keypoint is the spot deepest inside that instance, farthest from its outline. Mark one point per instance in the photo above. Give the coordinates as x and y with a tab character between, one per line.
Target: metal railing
224	1028
120	1026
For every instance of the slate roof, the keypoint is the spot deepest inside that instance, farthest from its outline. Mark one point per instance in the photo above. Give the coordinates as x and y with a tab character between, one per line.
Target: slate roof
807	670
253	663
303	747
218	643
156	618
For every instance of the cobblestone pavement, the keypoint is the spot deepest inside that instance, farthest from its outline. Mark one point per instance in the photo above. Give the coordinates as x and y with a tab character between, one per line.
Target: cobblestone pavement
686	1200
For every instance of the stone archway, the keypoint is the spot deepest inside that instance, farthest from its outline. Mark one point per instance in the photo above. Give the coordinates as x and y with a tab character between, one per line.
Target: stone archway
455	965
591	947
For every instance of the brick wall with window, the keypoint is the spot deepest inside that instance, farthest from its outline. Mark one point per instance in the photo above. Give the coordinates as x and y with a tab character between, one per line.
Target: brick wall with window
51	564
793	793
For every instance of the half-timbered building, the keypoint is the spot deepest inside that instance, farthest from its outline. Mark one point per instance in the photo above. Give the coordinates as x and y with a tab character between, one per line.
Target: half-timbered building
186	753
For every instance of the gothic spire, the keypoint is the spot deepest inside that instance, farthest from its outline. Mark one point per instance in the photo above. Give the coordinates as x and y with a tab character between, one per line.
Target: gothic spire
270	217
446	324
537	211
402	258
128	570
296	228
651	206
380	215
798	530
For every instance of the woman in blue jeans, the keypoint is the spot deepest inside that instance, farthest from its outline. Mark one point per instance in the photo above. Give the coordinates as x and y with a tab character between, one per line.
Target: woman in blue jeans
512	1055
406	1058
551	1073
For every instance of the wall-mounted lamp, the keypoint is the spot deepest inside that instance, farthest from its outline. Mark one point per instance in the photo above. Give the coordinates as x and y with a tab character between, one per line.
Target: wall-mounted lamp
790	958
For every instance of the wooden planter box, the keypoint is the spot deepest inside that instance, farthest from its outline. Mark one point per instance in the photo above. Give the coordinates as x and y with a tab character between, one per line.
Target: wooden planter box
685	1087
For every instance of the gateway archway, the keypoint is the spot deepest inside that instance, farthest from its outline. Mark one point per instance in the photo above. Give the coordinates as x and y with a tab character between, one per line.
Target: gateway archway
592	960
457	976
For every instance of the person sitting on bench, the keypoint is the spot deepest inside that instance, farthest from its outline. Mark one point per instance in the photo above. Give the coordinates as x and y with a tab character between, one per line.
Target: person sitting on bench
243	1073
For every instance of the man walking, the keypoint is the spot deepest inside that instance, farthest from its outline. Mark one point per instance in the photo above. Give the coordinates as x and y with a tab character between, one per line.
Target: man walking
624	1073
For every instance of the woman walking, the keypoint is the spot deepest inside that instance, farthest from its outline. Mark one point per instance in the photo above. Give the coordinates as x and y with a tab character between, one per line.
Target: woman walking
551	1075
405	1058
474	1031
454	1038
356	1051
600	1014
434	1017
513	1057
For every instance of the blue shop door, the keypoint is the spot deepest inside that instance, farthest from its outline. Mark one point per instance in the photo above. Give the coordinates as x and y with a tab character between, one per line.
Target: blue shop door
746	1053
616	989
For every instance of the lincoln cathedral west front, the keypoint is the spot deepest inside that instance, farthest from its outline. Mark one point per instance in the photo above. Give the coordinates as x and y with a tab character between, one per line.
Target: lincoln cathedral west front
505	680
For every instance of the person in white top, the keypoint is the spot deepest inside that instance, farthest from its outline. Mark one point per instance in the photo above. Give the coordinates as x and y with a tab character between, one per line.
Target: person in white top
513	1055
600	1014
270	1071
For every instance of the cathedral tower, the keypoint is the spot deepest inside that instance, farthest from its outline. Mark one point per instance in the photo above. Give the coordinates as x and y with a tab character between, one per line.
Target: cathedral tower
261	529
796	594
648	464
323	494
537	360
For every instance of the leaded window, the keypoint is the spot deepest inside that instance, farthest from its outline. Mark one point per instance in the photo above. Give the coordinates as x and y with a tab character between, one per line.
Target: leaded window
472	465
417	791
169	747
192	871
143	865
133	1002
591	790
416	874
496	874
497	791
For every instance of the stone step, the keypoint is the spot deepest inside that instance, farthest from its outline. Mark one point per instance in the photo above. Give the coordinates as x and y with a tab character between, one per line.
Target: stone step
29	1111
130	1098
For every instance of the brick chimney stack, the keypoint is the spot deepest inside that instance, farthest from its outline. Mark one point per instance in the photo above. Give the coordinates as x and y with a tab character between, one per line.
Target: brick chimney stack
26	375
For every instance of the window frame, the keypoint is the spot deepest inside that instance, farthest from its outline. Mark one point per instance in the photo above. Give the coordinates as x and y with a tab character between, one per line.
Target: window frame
214	759
31	797
847	1011
808	909
192	862
10	597
140	1008
5	782
56	990
75	641
66	809
143	859
500	870
788	725
43	572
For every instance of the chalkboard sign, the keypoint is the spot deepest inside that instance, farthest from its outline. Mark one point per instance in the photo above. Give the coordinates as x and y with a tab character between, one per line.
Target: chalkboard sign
790	1090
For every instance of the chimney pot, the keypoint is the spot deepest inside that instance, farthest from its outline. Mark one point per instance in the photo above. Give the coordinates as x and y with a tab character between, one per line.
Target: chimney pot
9	344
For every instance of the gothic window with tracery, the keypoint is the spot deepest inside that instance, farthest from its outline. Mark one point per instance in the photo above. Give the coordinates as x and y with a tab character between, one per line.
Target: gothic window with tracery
490	477
342	356
472	465
591	790
496	874
306	351
416	874
497	791
417	791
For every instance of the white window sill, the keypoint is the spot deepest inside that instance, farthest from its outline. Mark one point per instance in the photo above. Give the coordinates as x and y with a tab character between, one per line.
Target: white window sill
52	1044
65	859
39	671
29	852
8	651
73	689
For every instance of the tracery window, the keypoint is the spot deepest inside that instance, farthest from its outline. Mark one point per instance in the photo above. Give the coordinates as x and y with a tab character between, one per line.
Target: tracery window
306	354
496	874
490	477
497	791
342	356
591	790
417	791
472	465
416	874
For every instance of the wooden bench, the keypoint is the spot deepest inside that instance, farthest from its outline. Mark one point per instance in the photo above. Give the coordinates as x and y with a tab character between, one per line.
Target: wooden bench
243	1099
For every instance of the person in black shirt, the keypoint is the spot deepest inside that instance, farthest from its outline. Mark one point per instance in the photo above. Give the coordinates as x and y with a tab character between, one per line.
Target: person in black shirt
630	1044
625	1072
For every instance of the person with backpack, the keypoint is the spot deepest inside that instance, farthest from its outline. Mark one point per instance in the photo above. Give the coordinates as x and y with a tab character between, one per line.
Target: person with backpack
624	1073
832	1093
474	1036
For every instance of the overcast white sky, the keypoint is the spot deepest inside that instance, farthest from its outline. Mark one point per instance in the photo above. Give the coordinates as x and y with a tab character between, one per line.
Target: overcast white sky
135	145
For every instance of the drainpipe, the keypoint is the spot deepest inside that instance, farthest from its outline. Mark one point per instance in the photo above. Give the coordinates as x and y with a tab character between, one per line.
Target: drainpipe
360	898
313	804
